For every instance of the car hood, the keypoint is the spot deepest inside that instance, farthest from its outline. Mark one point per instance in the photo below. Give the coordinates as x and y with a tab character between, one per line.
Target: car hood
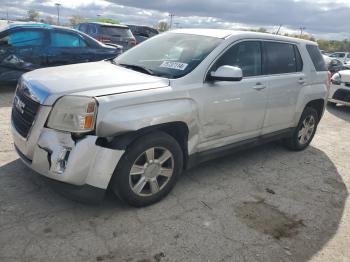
90	79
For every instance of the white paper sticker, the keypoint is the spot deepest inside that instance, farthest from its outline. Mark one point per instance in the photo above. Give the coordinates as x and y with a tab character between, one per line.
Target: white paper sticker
174	65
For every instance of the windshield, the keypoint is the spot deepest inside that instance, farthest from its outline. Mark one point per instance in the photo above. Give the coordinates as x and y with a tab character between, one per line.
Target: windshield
339	55
170	55
116	31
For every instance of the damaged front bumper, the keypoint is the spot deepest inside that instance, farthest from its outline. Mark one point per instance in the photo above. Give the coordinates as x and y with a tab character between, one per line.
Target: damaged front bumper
78	168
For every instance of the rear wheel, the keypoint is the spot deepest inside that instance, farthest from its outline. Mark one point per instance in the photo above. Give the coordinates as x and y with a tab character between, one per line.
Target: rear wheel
148	169
305	131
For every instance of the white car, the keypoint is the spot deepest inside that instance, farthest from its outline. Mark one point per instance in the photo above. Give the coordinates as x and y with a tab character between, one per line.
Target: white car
342	56
339	92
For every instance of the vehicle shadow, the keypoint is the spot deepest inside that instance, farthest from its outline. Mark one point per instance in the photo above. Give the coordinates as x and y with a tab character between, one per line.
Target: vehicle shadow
263	204
340	111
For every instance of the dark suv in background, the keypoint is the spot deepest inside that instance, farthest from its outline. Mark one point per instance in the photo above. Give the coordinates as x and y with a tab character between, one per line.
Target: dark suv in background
142	33
109	33
26	47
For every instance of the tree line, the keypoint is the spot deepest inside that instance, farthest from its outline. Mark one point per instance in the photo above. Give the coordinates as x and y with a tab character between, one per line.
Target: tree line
326	45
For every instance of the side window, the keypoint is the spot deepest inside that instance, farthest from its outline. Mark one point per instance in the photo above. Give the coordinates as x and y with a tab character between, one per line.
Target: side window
91	29
316	58
245	55
24	38
299	60
280	58
348	55
83	28
4	41
61	39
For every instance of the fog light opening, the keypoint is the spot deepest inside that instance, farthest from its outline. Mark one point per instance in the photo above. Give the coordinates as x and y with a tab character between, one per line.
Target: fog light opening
61	161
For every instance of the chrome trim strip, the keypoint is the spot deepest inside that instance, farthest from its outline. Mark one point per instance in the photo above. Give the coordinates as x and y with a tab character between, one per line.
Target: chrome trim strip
31	91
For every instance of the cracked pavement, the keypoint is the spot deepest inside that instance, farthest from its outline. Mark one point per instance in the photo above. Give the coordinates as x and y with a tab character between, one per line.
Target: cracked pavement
263	204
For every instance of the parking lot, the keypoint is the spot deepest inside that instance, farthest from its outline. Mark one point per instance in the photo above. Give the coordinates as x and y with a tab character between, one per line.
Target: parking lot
264	204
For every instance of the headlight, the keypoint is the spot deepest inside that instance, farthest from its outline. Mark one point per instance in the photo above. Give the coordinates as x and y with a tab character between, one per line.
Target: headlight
336	79
74	114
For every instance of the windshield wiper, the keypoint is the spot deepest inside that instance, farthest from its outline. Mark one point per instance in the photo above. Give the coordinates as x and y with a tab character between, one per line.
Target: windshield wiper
138	68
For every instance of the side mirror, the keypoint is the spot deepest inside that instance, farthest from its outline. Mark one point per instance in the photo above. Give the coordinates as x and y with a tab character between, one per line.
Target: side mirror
226	73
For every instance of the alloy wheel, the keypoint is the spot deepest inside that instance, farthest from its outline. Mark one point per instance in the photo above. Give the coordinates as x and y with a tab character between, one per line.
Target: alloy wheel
151	171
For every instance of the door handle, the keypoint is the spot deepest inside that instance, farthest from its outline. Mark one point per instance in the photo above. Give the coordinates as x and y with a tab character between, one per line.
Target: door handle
301	81
259	86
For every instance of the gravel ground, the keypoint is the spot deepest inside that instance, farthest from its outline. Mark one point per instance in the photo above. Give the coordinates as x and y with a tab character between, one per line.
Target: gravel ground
263	204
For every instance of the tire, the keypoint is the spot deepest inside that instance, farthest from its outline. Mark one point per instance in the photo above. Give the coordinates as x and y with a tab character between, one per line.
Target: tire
296	142
136	176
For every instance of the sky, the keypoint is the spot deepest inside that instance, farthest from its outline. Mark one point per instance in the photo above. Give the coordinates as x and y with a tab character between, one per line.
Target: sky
323	19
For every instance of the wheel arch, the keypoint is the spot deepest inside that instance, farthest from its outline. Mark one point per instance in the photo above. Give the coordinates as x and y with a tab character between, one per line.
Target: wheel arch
318	105
177	129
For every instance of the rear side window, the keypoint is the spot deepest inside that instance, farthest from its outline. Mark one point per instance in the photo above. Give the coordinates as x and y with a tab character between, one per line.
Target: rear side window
92	29
245	55
316	58
83	28
282	58
61	39
116	31
24	38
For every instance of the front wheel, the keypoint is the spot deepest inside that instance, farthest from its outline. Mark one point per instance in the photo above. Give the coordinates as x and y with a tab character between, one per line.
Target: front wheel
148	169
305	131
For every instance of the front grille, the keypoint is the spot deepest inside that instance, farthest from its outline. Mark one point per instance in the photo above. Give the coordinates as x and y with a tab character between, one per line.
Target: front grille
24	110
342	95
347	84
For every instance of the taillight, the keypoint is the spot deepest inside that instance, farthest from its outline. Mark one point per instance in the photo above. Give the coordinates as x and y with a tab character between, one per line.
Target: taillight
103	39
329	79
98	38
132	42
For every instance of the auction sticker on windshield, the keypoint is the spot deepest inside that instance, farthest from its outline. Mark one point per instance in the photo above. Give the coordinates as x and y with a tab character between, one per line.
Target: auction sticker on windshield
174	65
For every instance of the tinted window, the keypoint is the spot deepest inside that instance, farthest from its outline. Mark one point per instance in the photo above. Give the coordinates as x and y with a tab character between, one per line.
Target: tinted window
83	28
116	31
245	55
280	58
316	58
60	39
92	29
298	58
24	38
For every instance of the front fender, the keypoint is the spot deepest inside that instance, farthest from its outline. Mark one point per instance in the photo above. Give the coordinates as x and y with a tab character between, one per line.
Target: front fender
132	118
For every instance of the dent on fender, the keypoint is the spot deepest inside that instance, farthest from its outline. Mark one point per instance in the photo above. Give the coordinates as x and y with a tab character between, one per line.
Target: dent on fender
133	118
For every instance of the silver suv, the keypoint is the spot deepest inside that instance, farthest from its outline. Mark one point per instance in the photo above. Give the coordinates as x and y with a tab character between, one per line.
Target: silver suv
133	124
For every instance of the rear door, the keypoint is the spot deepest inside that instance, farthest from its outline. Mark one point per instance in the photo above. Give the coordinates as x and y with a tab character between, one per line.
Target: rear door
68	48
284	67
21	50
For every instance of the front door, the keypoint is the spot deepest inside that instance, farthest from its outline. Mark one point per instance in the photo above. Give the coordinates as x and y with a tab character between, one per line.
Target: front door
234	111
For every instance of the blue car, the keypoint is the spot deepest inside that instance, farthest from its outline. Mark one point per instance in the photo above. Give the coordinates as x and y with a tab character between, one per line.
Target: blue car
26	47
